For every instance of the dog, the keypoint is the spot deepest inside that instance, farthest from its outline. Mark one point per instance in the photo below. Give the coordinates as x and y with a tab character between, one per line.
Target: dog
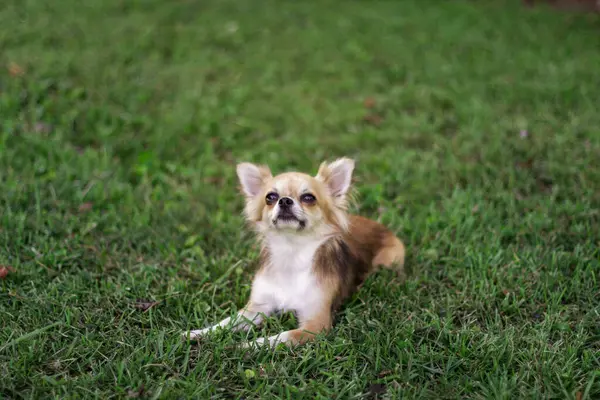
314	254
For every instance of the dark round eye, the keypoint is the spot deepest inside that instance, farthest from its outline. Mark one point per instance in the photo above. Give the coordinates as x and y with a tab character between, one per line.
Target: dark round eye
272	197
308	198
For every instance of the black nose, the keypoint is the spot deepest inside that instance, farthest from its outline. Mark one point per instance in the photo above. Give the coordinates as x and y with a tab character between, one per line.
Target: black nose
285	202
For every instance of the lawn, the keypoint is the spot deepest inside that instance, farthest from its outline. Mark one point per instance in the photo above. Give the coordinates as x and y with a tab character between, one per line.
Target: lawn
476	131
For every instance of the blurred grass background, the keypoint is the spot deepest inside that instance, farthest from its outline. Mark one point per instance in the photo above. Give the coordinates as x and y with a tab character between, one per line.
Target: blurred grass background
476	131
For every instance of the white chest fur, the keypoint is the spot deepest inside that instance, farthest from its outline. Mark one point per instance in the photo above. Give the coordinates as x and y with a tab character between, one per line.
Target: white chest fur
289	283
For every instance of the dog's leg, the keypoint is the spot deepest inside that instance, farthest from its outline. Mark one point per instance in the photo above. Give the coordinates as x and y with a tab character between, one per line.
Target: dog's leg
309	328
249	316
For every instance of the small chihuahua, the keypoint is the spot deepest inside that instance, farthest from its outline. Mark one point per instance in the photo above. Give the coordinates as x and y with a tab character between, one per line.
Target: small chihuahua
314	255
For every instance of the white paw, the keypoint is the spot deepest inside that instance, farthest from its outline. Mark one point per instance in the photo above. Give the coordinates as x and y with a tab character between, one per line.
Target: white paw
254	344
271	340
196	333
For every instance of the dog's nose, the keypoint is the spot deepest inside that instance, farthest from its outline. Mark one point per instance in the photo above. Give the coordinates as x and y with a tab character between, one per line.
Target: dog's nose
285	202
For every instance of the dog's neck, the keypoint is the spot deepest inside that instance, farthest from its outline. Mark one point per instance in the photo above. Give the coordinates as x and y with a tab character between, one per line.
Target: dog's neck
290	250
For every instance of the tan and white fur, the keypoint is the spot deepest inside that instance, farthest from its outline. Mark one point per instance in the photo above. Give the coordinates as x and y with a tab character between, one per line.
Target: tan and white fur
314	255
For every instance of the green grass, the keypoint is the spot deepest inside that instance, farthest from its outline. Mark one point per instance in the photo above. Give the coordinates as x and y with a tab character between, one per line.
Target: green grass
117	187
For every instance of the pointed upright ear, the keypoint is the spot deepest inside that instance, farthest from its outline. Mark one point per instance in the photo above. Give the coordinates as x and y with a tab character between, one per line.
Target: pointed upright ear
337	176
252	177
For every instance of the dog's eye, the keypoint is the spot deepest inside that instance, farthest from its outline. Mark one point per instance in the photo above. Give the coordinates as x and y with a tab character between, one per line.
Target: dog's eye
272	198
308	198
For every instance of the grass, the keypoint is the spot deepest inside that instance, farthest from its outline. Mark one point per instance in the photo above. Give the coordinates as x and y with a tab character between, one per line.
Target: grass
476	130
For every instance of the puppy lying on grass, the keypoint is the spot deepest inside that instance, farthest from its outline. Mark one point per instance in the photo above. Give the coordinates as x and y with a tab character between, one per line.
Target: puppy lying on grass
314	255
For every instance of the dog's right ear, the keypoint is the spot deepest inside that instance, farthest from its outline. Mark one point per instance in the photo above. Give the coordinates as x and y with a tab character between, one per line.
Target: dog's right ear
252	177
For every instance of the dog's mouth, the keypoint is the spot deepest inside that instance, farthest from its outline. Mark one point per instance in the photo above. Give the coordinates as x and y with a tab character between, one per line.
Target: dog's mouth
288	218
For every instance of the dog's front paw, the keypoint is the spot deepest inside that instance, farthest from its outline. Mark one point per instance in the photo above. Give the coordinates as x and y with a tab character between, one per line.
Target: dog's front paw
253	344
195	334
273	341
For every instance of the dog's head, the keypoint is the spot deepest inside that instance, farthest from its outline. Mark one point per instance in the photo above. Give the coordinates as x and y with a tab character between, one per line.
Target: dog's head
295	202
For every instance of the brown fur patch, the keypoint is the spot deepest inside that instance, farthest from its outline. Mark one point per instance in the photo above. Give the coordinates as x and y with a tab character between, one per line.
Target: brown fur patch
345	261
340	269
391	254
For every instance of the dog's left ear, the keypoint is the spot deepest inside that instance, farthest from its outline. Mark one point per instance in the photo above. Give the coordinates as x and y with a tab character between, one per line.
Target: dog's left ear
337	176
252	177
